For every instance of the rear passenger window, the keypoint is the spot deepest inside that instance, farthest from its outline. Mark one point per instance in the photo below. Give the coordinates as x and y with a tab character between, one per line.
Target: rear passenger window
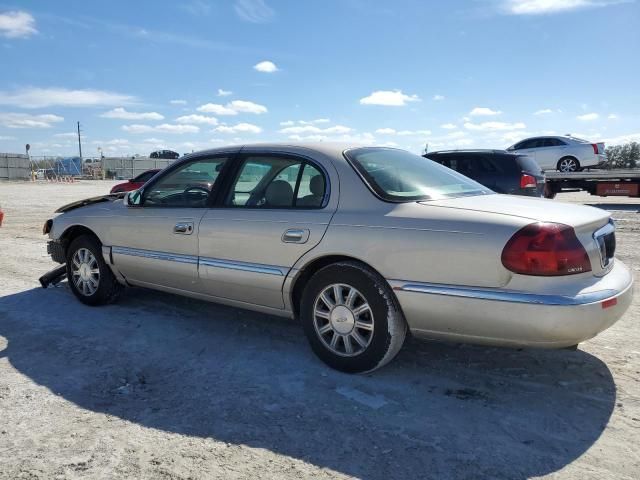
277	182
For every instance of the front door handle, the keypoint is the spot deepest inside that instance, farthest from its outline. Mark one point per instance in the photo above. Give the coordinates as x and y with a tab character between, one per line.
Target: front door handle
183	228
295	235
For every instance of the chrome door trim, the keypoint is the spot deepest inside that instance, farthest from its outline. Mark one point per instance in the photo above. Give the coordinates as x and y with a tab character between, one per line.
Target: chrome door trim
244	266
500	295
170	257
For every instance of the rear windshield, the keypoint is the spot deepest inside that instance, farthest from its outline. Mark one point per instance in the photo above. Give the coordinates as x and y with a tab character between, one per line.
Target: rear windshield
399	176
528	164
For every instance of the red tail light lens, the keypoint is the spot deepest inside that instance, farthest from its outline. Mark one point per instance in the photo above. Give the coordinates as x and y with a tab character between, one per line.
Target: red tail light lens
527	181
545	249
595	148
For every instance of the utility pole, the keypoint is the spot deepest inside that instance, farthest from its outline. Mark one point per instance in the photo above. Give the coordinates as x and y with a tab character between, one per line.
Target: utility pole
80	150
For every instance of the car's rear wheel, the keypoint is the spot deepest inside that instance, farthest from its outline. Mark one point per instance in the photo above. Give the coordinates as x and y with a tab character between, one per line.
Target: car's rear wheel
568	164
90	278
351	318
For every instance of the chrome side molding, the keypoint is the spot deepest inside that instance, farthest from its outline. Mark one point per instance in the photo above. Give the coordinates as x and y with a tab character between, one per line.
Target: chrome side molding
499	295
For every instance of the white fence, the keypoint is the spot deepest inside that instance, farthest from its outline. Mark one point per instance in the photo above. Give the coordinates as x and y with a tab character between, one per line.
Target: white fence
125	168
14	166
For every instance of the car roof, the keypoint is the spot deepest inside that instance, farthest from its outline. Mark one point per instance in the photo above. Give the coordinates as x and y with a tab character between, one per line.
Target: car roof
332	149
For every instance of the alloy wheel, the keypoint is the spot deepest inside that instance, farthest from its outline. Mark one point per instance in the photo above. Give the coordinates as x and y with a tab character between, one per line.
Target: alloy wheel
343	320
568	165
85	272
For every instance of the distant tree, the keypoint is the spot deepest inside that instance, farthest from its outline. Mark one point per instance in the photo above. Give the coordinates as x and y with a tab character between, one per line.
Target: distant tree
623	156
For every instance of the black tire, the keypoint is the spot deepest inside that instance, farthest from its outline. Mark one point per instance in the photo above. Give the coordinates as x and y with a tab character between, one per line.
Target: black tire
108	287
574	160
389	326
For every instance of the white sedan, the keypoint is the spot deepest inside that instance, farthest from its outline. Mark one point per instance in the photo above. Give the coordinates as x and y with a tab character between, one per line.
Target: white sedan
565	154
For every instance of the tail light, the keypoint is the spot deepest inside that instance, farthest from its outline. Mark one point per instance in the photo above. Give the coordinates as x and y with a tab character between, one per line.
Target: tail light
527	181
545	249
595	148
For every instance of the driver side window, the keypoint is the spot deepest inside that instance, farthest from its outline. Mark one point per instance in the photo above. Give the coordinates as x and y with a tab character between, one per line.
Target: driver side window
189	186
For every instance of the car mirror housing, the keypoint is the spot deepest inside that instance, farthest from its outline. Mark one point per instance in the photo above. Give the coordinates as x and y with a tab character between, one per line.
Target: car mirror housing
133	198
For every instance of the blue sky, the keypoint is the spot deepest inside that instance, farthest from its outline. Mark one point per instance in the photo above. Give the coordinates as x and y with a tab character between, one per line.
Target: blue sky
142	75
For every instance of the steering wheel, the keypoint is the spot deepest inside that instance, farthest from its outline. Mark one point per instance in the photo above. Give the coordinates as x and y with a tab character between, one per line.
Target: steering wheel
196	188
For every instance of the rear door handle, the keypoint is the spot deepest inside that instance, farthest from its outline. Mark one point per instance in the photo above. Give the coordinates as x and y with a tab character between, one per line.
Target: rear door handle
183	228
296	235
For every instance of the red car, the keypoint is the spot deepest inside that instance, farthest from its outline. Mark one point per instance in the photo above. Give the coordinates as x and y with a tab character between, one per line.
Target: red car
1	215
135	183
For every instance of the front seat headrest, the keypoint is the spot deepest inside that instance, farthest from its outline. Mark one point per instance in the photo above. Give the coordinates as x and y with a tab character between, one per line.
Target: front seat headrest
279	194
316	185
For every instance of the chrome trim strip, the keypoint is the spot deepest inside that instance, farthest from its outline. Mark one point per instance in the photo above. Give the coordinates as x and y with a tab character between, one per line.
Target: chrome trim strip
244	266
169	257
498	295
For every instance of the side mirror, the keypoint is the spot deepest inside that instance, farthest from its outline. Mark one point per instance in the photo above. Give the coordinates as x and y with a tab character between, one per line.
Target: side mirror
133	198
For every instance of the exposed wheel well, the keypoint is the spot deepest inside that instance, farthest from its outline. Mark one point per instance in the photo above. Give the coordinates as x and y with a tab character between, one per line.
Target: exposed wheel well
309	270
74	232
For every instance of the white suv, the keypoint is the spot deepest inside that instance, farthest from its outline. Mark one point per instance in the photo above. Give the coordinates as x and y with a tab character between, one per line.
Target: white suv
566	154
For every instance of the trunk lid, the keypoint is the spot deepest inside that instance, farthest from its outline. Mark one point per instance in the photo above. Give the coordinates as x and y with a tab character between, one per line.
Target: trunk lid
584	220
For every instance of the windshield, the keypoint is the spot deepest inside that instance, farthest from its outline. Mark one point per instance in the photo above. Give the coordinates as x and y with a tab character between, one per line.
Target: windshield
399	176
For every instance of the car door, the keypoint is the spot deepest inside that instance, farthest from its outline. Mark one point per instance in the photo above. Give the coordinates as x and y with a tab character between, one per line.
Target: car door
275	208
155	240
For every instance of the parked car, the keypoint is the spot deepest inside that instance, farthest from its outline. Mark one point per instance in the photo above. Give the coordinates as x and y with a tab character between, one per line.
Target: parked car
565	154
167	154
361	244
1	215
45	174
134	183
498	170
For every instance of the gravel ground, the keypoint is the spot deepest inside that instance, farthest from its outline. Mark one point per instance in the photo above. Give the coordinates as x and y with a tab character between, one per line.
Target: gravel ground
162	387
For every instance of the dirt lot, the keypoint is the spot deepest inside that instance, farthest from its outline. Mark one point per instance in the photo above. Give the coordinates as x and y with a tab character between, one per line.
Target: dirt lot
158	387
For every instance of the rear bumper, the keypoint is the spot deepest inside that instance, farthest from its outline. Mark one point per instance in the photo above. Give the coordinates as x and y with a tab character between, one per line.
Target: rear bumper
511	318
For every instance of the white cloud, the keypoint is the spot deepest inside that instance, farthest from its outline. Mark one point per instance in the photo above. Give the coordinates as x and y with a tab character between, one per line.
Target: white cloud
630	137
540	7
165	127
494	126
314	122
239	128
413	133
543	111
483	112
448	126
587	117
254	11
612	116
233	108
287	123
438	98
224	93
123	114
178	102
386	131
17	24
265	67
24	120
217	109
201	119
7	137
247	107
337	129
389	98
47	97
73	135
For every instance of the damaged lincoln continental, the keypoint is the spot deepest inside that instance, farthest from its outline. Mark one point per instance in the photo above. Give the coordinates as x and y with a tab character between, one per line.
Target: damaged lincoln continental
362	244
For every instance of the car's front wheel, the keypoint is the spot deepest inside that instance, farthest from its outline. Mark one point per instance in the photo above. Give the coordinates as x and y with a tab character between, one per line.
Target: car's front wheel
90	278
568	164
351	318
